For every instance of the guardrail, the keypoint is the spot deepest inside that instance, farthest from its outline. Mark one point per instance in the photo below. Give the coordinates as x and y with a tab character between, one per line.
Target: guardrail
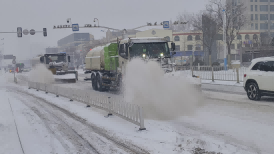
214	73
130	112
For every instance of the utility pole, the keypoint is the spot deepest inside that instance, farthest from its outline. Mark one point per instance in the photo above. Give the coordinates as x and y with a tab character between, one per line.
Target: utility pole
224	39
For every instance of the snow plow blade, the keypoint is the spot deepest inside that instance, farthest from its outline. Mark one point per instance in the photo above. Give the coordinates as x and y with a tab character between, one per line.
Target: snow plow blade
66	77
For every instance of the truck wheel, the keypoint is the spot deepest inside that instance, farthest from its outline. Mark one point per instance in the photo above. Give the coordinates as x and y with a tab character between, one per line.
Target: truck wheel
93	82
99	83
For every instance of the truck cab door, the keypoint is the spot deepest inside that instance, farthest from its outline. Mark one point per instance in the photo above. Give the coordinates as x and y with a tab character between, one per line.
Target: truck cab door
122	58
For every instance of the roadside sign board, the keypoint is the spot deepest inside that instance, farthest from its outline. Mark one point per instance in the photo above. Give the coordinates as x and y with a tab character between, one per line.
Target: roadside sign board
75	27
166	24
32	32
8	57
25	32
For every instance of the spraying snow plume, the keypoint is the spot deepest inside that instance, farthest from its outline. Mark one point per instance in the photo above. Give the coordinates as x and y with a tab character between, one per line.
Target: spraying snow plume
162	97
41	74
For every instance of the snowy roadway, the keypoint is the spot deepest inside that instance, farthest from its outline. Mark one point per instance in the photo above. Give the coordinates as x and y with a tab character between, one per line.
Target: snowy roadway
227	123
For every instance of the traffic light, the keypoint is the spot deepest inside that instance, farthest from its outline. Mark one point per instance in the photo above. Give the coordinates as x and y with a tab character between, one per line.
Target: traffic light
19	31
45	31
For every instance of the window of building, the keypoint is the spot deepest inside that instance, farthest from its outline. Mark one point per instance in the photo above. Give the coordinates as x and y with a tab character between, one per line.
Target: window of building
239	37
232	46
247	37
189	47
198	47
255	37
256	17
272	26
251	0
176	38
256	27
263	26
239	46
219	36
263	0
263	17
272	8
251	17
271	16
264	8
167	38
271	0
255	45
177	48
256	7
197	37
251	7
252	26
189	38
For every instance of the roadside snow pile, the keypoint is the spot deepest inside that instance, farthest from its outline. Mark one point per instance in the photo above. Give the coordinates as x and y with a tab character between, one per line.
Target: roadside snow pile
41	74
162	98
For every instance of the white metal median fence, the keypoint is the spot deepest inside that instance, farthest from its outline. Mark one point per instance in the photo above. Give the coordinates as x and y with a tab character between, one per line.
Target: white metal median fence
130	112
214	73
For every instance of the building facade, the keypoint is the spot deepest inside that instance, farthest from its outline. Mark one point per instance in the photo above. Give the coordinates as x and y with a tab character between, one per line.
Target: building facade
51	50
260	14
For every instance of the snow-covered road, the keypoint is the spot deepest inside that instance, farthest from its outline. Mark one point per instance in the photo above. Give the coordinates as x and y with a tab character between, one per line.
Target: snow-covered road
227	123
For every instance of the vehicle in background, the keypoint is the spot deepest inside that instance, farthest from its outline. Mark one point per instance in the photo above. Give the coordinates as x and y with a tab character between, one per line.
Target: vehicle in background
107	63
218	62
58	64
259	78
20	67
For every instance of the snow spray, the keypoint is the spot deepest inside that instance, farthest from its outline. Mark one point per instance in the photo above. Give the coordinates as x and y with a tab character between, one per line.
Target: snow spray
162	97
41	74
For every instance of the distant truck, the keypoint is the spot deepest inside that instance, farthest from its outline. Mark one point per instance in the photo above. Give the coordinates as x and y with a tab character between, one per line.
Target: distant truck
58	64
107	63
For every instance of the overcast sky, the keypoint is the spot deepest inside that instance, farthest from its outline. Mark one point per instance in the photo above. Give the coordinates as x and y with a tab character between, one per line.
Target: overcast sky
39	14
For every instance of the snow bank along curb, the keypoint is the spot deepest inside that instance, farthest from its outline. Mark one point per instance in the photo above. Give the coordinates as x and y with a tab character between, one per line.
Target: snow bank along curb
130	112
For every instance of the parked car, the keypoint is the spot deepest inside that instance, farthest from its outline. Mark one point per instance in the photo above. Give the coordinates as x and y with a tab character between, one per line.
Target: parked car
259	78
218	62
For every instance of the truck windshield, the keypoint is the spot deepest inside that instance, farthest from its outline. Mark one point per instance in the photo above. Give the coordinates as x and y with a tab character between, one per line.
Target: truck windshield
55	58
152	50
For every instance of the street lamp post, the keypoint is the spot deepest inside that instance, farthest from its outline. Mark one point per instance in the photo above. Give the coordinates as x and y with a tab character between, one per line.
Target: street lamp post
224	39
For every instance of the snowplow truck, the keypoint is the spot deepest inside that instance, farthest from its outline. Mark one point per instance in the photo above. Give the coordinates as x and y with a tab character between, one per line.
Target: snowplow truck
107	63
58	65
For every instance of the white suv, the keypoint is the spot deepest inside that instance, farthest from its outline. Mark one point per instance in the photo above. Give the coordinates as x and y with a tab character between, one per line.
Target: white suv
259	78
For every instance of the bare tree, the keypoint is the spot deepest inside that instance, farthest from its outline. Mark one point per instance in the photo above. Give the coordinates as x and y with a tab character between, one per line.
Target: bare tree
236	19
184	17
208	23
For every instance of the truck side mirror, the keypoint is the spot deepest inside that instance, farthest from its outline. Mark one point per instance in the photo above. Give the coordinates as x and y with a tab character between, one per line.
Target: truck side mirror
172	46
69	59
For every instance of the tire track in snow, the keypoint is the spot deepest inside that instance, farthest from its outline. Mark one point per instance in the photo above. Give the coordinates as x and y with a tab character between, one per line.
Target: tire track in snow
126	146
60	129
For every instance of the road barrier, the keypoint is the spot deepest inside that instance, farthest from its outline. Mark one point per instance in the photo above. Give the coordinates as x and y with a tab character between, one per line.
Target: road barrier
214	73
130	112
